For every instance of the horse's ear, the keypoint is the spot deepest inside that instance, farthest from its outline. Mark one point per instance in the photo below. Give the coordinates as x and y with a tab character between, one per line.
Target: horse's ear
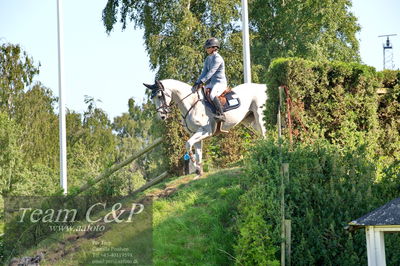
148	86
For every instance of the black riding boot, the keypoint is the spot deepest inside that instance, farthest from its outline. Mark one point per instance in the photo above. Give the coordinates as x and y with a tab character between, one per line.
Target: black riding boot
219	116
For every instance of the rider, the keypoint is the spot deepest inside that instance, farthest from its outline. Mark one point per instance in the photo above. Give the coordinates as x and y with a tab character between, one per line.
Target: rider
213	75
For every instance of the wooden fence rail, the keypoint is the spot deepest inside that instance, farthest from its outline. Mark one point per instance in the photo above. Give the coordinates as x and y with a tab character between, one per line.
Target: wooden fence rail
116	167
150	183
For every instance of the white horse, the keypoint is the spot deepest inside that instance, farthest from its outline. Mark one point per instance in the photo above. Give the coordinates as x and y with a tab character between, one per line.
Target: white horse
198	120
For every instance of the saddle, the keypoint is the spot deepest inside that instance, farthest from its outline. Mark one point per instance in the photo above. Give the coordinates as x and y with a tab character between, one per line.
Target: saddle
228	99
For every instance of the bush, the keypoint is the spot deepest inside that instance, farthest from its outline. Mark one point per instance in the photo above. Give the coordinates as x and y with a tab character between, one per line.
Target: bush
328	188
174	142
333	100
389	114
227	150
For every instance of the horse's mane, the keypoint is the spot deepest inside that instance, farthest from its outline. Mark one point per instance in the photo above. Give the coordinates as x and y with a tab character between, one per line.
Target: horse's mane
173	83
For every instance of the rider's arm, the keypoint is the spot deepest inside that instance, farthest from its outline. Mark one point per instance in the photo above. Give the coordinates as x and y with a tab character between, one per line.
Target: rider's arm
215	63
203	73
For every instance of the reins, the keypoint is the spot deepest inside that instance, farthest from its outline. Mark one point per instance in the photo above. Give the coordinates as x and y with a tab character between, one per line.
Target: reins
164	108
190	109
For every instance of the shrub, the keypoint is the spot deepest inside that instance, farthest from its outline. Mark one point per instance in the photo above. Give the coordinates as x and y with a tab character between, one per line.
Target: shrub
333	100
328	187
389	114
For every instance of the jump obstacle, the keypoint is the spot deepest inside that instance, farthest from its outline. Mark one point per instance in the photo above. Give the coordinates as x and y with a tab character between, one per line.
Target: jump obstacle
116	167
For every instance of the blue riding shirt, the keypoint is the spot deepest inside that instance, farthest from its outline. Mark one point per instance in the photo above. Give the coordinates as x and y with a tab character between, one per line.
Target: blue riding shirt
213	71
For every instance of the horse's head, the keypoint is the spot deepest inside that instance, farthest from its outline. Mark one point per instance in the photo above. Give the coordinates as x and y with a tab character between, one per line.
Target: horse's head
161	98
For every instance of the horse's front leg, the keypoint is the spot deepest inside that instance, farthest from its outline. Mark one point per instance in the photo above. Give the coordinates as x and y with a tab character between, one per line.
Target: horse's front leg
198	149
196	140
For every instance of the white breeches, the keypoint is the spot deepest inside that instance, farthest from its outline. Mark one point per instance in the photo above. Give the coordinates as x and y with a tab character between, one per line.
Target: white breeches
217	90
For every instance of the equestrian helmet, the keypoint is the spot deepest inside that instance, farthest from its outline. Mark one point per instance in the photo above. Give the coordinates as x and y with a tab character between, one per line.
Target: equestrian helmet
212	42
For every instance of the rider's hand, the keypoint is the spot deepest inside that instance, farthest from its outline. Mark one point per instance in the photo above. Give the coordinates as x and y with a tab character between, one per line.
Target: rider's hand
198	85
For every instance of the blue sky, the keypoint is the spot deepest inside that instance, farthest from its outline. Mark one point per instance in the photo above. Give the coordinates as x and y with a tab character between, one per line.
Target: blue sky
109	68
378	17
113	67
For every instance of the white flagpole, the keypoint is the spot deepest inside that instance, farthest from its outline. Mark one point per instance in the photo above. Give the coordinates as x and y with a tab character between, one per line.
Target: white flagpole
246	43
63	141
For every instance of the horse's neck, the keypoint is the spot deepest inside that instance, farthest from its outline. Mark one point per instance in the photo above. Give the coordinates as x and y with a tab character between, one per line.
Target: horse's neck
183	96
184	100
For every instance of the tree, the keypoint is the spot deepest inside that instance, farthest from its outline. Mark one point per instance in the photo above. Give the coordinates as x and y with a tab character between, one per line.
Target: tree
29	128
175	31
16	72
34	112
29	106
92	148
313	29
135	130
10	156
93	144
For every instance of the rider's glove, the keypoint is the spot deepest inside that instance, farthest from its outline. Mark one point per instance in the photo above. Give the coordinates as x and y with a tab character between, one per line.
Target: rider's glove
198	85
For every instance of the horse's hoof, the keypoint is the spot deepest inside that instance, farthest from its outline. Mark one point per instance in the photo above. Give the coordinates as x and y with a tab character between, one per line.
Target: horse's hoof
199	172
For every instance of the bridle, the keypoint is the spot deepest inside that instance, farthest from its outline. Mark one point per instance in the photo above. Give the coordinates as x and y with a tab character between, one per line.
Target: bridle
164	108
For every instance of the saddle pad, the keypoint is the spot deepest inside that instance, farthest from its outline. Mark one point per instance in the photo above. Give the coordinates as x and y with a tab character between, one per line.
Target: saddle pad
232	102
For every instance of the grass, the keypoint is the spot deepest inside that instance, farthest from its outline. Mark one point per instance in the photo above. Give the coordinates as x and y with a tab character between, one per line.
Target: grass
196	224
193	223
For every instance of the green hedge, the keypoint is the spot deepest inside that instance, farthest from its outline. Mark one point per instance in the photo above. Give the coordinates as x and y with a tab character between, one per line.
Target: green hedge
344	162
333	100
389	113
327	188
